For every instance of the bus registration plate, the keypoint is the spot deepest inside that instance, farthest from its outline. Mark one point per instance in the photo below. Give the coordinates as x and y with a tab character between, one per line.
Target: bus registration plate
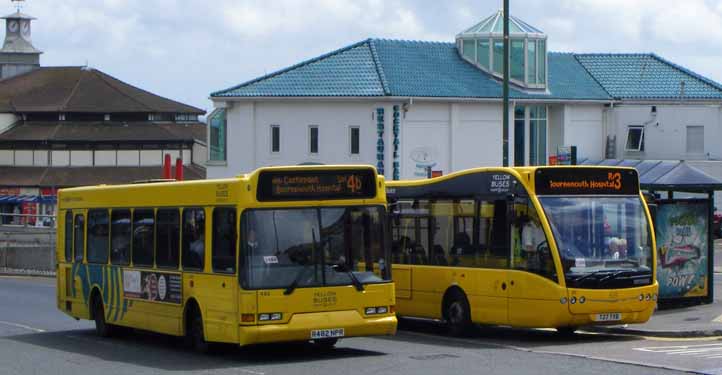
326	333
608	317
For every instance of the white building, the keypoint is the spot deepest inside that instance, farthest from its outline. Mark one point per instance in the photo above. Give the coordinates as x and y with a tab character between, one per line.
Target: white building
408	105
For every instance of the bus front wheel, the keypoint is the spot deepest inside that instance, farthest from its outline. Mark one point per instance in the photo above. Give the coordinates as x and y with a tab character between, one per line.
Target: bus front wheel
458	315
324	344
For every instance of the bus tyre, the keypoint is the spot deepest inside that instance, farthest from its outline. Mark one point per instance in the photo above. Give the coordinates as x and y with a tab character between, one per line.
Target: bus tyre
566	331
195	335
324	344
102	328
458	316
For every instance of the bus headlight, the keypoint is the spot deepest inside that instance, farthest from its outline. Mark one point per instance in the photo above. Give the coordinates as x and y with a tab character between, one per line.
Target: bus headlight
641	297
270	316
654	297
573	300
582	299
376	310
563	300
649	297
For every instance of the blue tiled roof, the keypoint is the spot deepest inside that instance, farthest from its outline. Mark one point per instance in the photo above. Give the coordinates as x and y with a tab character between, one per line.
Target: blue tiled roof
381	67
350	71
647	76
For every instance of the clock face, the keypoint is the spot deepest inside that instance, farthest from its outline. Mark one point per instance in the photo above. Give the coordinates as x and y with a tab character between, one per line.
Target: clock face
13	26
25	28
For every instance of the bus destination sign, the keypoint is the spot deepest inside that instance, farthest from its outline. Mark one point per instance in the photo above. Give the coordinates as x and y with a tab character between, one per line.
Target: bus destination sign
586	181
321	184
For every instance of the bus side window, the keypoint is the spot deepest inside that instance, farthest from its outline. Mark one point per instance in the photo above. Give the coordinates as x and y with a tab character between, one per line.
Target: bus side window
98	236
68	223
120	237
225	237
167	238
79	243
143	242
530	247
194	235
499	249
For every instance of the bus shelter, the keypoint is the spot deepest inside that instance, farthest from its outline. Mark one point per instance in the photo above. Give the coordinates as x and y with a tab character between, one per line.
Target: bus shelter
681	199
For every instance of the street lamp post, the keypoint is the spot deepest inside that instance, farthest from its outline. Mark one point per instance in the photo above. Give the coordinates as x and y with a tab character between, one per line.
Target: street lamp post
505	118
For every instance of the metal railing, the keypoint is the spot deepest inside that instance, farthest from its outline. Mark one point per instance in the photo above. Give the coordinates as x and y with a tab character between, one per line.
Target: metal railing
24	220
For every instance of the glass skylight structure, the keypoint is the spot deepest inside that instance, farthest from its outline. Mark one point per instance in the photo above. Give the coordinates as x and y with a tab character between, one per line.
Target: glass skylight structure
483	46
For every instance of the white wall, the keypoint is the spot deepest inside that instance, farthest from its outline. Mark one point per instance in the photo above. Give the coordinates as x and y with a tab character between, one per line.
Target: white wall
425	138
40	158
105	157
665	134
583	127
130	158
60	158
6	157
81	158
151	157
200	154
478	124
249	134
24	158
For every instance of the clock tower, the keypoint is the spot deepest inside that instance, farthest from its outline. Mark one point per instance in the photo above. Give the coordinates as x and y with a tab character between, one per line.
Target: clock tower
18	55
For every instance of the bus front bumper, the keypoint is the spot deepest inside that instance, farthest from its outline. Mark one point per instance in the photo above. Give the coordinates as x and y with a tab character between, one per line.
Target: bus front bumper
300	327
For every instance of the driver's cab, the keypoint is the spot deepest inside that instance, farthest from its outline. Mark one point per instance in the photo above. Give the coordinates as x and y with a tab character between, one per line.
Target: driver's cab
530	250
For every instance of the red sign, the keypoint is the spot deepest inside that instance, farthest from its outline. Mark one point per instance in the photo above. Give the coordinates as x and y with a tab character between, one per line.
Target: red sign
48	191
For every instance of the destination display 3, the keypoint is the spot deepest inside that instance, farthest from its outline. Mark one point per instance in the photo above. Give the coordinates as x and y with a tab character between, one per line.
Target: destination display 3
308	185
586	181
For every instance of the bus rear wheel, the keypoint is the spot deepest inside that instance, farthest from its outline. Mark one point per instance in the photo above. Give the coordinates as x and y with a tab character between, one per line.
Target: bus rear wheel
194	334
458	316
102	328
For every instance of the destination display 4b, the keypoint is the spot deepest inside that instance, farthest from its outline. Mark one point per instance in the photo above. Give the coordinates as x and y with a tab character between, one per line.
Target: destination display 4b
586	181
321	184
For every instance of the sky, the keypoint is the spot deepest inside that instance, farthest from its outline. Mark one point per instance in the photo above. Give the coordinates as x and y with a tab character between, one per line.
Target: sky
186	49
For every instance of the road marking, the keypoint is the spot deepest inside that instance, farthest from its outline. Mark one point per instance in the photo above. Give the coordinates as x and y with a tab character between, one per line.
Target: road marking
718	319
702	351
22	326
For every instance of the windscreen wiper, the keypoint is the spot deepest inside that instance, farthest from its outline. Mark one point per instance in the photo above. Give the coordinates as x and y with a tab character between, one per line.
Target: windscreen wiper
291	287
593	273
356	282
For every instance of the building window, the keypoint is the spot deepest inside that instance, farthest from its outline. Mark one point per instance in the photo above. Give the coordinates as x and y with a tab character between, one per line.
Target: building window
517	60
186	117
313	139
695	139
355	140
519	136
635	138
61	117
537	135
498	60
482	53
469	49
275	138
218	135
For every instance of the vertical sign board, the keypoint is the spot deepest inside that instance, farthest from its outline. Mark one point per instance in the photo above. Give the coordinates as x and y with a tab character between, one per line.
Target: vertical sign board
682	230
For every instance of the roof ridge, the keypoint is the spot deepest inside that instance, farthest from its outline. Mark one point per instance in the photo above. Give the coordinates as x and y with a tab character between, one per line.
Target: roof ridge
292	67
102	78
72	93
592	75
105	75
379	67
698	76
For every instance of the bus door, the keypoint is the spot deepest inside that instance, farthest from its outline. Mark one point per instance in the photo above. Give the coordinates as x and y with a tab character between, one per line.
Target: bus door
488	287
222	315
69	295
533	288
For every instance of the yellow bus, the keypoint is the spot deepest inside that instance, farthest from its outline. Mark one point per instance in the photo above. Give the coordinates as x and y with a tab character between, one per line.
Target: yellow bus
542	247
280	254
